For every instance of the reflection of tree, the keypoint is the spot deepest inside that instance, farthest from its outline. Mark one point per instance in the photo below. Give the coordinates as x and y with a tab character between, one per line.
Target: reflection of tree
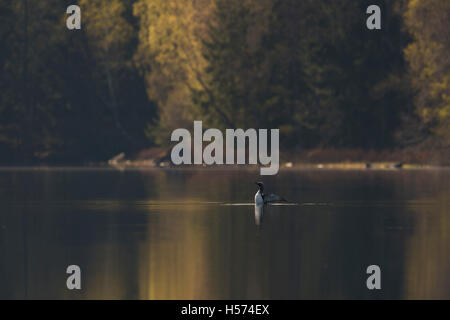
306	252
160	239
176	260
428	251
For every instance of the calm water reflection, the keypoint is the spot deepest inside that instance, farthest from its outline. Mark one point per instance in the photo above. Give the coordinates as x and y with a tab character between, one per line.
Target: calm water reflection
195	235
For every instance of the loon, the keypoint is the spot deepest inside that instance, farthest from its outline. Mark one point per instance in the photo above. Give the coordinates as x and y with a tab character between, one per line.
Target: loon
261	198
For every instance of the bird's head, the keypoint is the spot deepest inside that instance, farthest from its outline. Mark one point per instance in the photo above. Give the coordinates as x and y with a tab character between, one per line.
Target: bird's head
260	185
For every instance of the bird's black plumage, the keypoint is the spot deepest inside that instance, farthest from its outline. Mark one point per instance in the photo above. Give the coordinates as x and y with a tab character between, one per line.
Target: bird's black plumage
270	198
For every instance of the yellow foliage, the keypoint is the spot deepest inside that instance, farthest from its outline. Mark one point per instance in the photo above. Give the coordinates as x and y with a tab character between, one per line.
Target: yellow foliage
428	55
107	29
170	40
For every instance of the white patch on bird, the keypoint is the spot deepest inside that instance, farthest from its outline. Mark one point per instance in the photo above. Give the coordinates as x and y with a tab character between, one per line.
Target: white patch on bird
258	198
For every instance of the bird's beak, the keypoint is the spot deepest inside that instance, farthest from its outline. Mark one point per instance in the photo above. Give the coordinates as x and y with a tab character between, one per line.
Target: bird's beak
256	183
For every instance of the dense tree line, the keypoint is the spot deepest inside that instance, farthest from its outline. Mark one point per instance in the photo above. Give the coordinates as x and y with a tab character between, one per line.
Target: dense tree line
69	96
428	22
138	69
318	73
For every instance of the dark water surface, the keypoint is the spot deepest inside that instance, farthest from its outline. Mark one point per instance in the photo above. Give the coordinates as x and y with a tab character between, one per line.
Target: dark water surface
180	234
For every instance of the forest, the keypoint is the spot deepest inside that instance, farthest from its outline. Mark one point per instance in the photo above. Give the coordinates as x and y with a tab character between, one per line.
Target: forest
138	69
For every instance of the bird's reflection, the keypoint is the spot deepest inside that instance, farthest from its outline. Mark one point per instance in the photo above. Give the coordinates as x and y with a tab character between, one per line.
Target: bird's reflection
258	213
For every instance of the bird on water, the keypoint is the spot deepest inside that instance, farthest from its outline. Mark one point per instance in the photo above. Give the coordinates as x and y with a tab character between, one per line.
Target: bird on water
261	198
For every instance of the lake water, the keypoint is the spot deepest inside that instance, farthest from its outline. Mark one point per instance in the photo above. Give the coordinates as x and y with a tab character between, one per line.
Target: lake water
192	234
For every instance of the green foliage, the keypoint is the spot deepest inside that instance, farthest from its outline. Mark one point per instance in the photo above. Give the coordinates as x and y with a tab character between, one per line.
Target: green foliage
224	99
317	73
31	92
68	96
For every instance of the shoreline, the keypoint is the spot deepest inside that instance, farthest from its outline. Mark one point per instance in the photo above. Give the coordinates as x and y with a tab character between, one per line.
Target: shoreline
335	159
319	158
284	167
